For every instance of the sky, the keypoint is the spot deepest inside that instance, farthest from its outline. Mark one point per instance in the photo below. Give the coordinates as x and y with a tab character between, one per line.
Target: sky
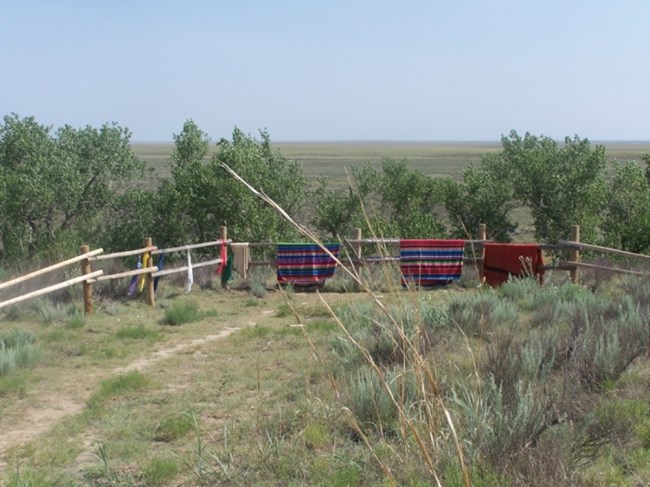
339	70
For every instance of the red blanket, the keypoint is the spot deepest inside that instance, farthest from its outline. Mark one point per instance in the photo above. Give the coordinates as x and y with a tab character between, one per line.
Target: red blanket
503	260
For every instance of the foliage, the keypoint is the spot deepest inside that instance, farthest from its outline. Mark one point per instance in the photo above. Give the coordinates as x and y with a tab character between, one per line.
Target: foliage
561	184
395	201
410	200
484	196
338	212
17	350
626	224
194	185
248	218
91	165
181	313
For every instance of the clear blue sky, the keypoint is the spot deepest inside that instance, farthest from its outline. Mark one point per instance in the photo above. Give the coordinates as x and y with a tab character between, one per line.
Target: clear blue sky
332	70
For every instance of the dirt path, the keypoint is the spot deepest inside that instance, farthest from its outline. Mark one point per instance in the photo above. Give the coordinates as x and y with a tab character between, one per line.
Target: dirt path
43	407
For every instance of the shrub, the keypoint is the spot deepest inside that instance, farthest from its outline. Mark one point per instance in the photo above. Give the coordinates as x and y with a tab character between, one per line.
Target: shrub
17	351
159	471
370	401
173	427
181	313
477	314
495	428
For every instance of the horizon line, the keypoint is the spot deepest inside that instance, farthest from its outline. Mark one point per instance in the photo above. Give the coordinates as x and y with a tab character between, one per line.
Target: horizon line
404	141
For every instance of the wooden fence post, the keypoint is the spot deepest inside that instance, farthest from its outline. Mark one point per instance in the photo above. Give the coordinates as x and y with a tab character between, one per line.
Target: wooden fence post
87	287
223	232
357	254
482	235
575	252
151	296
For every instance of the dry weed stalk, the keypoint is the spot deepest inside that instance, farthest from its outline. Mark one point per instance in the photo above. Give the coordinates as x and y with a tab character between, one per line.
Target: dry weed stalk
427	383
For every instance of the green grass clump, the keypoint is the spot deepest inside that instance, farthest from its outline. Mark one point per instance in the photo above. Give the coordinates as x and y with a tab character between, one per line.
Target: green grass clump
118	386
138	332
182	313
159	471
28	478
17	351
173	427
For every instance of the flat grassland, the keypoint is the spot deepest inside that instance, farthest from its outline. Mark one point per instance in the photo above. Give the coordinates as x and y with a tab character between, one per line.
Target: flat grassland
433	158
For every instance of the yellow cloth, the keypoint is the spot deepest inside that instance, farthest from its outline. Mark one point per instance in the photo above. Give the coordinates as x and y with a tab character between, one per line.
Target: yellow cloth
241	257
146	262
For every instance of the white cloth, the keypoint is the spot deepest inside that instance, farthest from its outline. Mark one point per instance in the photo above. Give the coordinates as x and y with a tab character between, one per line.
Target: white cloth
190	275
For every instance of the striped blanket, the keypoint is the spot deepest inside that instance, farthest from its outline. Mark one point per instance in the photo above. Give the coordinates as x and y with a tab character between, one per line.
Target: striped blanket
305	264
431	262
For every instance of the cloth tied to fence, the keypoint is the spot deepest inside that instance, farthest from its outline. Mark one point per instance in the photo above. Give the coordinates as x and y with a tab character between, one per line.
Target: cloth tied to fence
134	280
189	279
503	260
223	255
241	258
430	262
305	264
146	262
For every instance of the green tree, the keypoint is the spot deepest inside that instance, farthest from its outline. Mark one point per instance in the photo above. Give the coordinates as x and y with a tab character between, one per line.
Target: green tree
58	187
338	212
411	201
194	188
646	158
248	218
484	196
561	184
397	201
626	224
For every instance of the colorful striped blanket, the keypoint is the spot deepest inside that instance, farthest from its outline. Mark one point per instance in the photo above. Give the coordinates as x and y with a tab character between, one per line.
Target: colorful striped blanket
305	264
430	262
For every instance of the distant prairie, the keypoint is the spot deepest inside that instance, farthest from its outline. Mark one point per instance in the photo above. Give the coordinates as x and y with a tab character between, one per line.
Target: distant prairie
332	158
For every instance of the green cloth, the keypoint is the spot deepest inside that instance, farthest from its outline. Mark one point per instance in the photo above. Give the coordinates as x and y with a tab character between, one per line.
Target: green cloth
226	274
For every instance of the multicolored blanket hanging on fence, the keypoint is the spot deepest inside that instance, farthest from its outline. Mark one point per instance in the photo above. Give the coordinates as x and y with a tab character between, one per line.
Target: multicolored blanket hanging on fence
503	260
430	262
305	264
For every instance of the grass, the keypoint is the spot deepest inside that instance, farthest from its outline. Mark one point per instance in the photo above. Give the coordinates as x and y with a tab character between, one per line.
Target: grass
268	404
375	396
181	313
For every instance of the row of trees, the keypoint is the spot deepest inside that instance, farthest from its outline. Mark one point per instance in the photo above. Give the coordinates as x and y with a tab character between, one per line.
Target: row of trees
560	184
61	188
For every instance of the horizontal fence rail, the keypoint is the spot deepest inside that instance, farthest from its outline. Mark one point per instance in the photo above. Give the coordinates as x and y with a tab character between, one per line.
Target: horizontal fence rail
355	258
185	268
190	247
52	288
127	253
605	250
135	272
51	268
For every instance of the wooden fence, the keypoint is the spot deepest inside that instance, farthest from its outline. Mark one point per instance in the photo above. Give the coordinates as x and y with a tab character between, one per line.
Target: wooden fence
356	259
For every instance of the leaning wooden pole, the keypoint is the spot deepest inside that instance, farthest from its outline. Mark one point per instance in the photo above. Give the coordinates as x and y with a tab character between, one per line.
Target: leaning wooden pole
148	279
574	252
87	285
